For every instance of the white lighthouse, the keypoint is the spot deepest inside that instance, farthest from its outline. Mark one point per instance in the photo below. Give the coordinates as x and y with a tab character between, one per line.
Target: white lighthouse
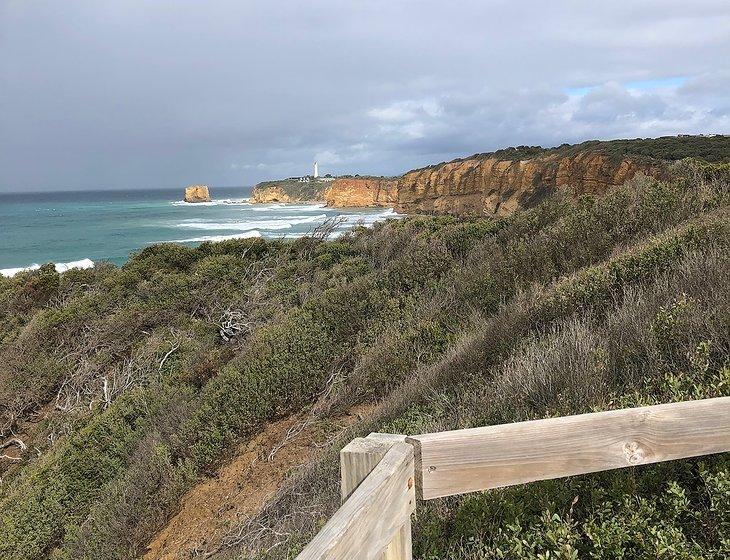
316	170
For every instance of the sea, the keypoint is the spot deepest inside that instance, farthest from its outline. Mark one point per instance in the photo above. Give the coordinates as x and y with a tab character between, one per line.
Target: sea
79	229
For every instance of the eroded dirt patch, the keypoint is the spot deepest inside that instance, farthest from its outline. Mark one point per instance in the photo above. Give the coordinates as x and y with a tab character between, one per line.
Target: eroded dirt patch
242	486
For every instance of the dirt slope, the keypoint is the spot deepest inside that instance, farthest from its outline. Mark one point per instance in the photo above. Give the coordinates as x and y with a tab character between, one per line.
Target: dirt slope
242	486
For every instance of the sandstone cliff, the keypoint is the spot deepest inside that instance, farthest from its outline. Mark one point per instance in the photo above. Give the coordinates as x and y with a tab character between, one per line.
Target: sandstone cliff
478	186
356	191
272	194
498	183
342	192
490	186
197	193
287	190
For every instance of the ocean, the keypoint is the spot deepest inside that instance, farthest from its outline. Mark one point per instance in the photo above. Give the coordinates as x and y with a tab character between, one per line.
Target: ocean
82	228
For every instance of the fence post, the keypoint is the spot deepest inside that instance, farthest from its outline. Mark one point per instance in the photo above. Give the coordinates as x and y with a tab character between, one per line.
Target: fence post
357	459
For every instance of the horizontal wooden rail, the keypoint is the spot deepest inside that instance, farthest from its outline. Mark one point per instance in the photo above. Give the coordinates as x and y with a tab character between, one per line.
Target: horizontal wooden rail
373	514
461	461
378	490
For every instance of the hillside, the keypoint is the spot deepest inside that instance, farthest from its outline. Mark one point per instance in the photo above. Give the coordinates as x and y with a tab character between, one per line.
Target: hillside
194	377
498	183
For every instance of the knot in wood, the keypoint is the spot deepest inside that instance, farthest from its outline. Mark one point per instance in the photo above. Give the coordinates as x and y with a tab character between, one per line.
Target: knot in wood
634	452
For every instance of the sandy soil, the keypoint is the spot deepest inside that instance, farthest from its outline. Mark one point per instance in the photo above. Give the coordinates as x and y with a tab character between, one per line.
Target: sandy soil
241	487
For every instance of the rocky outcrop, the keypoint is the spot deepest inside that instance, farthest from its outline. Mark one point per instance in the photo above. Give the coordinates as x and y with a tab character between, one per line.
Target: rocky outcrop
287	190
490	186
342	192
357	192
197	193
271	194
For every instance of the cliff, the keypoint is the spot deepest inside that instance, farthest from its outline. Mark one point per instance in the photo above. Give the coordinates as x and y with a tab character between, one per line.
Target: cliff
356	191
490	186
287	190
197	193
341	193
476	186
498	183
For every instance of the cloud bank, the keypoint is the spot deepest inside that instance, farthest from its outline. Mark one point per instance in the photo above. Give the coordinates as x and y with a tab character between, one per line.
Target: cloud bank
132	94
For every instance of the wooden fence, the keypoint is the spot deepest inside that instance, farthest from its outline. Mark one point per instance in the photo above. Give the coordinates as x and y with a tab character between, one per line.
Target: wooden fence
382	474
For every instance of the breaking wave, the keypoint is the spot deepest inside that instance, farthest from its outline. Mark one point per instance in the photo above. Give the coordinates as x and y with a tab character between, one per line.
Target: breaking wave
288	207
235	201
285	222
244	235
60	267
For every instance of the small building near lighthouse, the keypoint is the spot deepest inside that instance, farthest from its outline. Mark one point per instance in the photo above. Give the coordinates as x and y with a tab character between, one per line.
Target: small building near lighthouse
315	176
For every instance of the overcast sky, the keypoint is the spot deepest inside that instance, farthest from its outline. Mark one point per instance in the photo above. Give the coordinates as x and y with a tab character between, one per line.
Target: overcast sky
136	94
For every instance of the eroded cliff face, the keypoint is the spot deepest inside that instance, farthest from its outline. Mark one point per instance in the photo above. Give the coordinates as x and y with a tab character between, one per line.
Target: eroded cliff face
273	194
356	192
477	186
494	187
340	193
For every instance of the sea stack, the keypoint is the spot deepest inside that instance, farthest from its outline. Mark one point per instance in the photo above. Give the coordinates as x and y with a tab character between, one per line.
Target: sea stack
197	193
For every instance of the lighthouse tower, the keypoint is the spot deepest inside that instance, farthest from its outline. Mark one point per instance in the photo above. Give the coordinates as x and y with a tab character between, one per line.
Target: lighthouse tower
316	170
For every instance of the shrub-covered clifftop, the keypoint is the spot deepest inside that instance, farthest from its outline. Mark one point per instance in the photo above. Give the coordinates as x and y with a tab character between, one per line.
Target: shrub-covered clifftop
132	386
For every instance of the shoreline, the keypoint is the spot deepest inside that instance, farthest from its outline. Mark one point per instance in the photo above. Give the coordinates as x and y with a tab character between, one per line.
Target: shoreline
256	230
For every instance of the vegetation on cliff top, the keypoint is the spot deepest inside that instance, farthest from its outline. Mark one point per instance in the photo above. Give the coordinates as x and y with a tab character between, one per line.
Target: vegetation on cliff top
713	149
129	384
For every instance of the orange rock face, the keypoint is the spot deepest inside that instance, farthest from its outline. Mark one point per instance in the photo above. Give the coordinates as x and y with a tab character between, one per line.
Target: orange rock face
355	192
477	186
493	187
197	193
272	194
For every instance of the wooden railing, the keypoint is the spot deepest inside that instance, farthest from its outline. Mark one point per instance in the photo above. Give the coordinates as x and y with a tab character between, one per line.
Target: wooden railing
382	474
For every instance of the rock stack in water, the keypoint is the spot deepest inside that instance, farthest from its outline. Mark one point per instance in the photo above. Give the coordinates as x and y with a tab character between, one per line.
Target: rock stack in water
197	193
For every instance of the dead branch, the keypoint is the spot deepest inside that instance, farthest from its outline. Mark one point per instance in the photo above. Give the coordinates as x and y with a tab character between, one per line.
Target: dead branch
174	345
323	231
234	322
13	442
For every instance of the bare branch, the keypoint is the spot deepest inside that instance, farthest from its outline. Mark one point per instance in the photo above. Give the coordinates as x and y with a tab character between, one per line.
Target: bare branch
13	442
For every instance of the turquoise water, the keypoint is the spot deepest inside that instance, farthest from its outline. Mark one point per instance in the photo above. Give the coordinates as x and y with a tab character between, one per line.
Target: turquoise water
68	227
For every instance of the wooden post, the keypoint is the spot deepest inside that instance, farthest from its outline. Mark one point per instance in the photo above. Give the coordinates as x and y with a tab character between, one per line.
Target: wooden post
369	521
357	460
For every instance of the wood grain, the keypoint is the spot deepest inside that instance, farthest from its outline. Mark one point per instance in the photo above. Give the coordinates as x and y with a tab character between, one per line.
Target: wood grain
373	514
461	461
401	547
357	459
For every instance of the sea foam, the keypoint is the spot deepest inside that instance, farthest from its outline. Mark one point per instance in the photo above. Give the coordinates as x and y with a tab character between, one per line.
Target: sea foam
235	201
285	222
288	207
60	267
244	235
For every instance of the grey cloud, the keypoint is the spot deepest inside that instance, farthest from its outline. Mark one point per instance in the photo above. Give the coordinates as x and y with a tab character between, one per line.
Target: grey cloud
130	93
612	102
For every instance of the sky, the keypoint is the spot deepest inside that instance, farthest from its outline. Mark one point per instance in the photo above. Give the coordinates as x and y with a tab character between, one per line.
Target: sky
137	94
